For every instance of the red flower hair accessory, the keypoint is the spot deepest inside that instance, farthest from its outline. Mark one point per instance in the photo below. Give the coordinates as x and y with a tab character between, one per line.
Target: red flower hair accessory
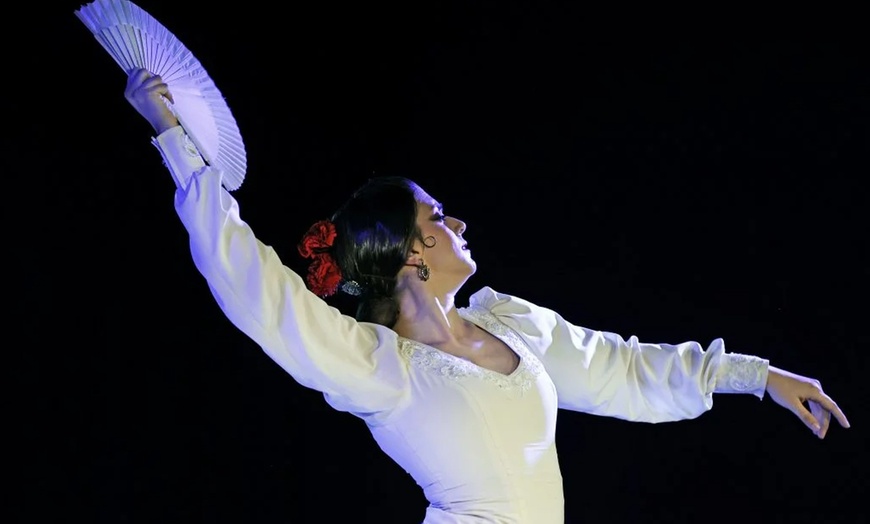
324	275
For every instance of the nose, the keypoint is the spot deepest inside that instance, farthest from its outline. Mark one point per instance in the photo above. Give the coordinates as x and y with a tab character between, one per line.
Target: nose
459	226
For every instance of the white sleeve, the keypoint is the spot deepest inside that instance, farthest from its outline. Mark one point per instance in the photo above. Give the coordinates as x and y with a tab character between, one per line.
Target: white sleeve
356	365
603	374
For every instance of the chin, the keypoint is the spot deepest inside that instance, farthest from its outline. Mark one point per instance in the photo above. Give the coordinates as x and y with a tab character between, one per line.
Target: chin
466	273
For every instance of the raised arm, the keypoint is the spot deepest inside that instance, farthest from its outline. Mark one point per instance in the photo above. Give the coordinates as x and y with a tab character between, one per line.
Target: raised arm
354	364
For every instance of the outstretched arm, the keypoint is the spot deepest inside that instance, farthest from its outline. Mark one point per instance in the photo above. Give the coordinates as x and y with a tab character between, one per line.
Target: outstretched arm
604	374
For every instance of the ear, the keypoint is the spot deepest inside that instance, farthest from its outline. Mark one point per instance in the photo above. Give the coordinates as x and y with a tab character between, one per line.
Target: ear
415	258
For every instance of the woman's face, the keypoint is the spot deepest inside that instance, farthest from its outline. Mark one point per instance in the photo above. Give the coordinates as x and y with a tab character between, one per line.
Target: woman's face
445	251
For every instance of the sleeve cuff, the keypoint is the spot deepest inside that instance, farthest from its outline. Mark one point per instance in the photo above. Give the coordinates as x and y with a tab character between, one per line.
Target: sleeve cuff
180	155
742	374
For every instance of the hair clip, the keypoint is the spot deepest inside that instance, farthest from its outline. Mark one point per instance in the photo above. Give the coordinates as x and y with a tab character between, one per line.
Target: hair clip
351	288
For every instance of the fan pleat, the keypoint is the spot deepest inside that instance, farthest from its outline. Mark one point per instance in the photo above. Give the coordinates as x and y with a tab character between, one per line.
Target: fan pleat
134	38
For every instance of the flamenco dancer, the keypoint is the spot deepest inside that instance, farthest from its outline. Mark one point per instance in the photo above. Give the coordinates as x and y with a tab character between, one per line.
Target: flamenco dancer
464	398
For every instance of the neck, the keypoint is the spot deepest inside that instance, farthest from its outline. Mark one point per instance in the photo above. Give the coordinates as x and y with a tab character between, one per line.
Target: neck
429	317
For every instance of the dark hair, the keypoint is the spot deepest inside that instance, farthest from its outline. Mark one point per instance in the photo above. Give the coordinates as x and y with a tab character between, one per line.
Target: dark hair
375	231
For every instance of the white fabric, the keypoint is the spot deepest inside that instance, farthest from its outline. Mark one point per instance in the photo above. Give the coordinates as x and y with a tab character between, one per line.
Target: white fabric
480	444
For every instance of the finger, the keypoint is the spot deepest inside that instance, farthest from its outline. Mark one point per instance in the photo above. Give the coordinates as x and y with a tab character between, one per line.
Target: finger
143	92
138	72
822	415
136	77
161	89
155	84
807	417
827	403
152	81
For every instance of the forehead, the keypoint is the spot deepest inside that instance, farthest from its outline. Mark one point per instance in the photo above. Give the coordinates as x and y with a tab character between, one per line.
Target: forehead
426	200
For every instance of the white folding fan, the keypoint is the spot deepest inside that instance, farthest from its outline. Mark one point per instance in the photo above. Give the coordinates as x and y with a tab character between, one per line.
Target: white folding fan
136	39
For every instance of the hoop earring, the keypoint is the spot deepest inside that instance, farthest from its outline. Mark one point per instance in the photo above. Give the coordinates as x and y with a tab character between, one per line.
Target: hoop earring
423	272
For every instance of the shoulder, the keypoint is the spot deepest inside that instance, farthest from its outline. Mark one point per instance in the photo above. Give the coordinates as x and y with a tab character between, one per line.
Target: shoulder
488	298
534	323
507	306
483	297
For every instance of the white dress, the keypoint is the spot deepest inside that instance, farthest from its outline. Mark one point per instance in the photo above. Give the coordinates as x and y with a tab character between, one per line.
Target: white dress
479	443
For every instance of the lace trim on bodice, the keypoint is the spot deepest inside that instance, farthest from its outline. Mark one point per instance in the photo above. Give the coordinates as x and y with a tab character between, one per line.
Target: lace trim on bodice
456	368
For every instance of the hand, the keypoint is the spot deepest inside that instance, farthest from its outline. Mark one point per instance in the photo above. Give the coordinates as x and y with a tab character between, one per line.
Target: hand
147	93
792	391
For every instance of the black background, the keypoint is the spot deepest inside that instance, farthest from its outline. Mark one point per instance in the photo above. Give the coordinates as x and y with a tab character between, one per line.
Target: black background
670	188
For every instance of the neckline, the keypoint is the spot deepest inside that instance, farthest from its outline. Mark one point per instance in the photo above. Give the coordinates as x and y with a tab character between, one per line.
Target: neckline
467	314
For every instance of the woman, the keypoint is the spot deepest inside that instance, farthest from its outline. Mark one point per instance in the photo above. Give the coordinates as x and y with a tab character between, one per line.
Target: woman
464	399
